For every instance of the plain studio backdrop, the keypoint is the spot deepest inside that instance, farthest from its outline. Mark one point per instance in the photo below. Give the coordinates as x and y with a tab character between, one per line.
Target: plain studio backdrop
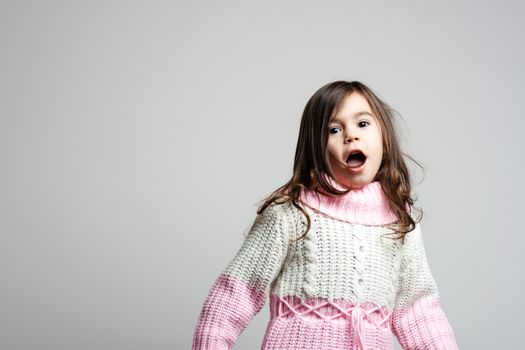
137	137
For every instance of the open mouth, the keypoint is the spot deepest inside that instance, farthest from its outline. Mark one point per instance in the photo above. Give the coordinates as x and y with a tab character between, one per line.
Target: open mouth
355	159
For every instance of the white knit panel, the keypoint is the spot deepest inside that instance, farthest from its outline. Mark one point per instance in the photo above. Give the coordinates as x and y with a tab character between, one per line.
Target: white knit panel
259	259
338	259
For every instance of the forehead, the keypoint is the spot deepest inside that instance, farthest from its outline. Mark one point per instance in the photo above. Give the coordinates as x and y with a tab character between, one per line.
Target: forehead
352	106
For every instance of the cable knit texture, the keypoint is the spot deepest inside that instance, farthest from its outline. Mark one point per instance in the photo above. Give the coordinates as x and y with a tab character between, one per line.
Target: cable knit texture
344	286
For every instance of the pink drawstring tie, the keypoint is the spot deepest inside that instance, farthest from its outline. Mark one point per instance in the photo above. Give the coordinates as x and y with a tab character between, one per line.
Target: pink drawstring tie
355	313
357	316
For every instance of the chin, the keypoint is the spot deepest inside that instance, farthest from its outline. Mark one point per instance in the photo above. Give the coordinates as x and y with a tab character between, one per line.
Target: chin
355	184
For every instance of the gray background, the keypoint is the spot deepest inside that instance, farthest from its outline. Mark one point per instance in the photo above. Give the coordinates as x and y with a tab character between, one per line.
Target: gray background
136	139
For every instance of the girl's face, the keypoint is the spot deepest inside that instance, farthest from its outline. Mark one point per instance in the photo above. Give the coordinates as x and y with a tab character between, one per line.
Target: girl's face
353	128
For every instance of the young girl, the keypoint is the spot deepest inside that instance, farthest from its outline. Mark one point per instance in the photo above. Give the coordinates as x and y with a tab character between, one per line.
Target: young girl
338	247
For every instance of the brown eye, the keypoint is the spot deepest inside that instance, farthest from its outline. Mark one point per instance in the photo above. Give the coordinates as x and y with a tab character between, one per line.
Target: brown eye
330	130
364	121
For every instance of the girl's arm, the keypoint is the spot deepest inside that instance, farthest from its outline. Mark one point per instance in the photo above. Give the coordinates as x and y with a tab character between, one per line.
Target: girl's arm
239	292
418	320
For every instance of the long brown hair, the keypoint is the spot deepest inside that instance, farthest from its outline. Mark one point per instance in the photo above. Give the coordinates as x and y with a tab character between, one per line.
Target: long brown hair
311	156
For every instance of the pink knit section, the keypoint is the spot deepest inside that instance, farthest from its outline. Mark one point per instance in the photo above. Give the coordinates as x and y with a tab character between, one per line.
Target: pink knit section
423	326
228	309
367	205
319	323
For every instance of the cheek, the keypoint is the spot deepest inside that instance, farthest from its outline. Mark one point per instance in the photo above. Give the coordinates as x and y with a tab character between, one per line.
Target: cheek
378	146
332	148
379	140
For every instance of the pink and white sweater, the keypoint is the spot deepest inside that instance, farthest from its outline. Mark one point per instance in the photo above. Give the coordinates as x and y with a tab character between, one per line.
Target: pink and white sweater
342	286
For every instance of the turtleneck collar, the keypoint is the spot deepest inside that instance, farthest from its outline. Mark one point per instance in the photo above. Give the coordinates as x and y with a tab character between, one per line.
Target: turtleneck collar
367	205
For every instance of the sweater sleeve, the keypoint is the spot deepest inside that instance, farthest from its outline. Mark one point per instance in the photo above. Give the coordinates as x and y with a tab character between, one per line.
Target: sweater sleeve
240	290
418	321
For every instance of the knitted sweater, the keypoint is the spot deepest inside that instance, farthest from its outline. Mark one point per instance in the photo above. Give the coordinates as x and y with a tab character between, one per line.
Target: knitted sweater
342	286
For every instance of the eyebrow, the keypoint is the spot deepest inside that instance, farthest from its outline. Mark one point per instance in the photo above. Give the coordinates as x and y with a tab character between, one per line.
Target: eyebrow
357	114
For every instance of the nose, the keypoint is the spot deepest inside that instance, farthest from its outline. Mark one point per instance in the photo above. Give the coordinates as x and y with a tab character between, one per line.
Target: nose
351	135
